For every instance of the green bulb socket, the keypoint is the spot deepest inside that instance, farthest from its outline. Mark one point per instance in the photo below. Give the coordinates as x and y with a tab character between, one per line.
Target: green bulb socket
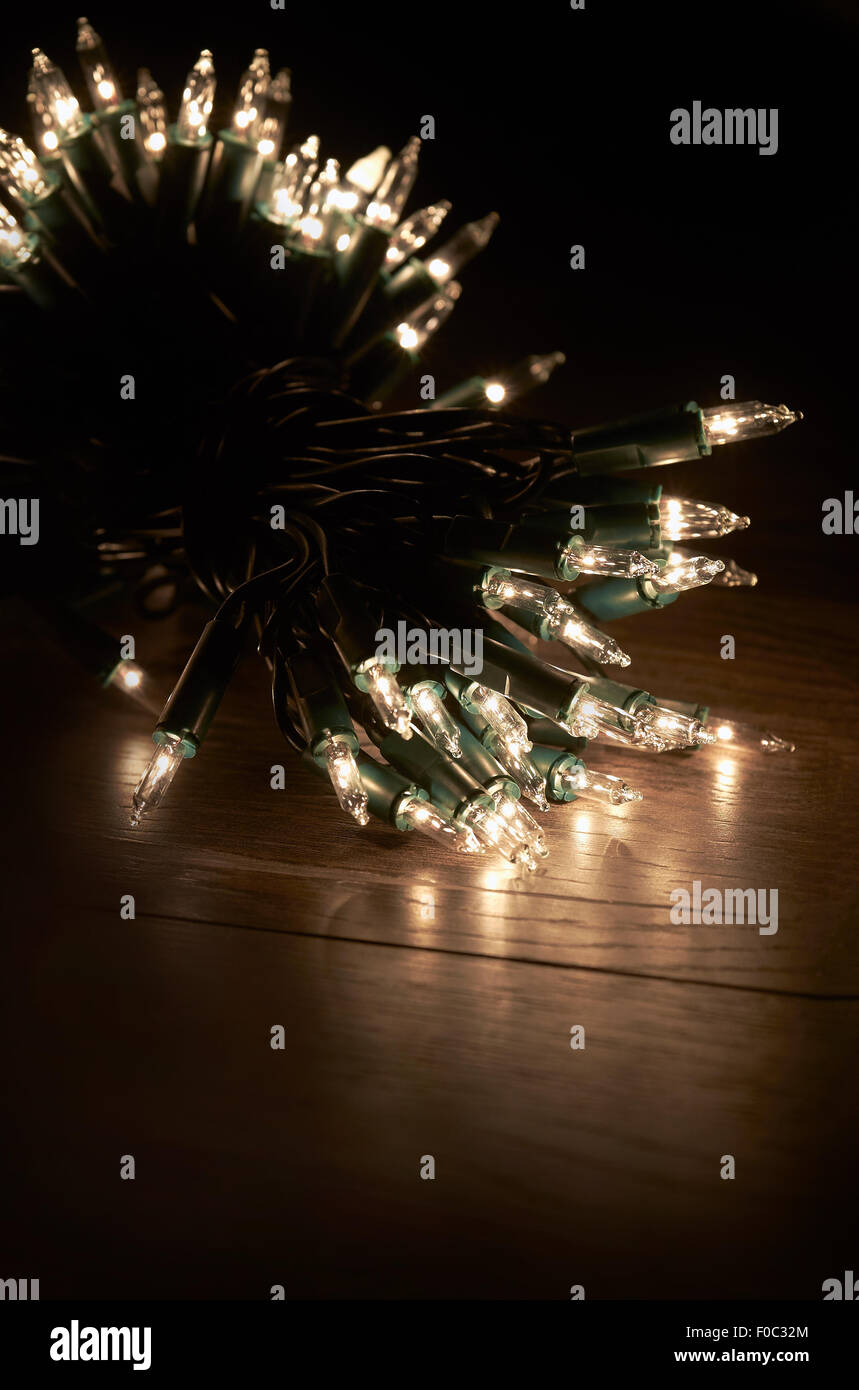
198	691
552	765
671	435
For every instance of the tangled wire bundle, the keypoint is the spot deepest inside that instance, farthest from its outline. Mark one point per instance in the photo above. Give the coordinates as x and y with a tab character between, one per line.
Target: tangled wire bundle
264	309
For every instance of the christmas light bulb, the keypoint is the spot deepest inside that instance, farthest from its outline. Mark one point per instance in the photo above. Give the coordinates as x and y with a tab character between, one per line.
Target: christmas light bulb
49	84
607	560
566	624
253	86
429	318
365	175
681	518
530	372
521	767
160	771
520	822
670	728
127	676
315	220
602	786
391	196
96	67
499	715
591	715
518	592
278	102
16	247
45	129
463	245
436	722
424	816
384	690
153	113
689	574
345	778
493	831
192	123
292	181
725	423
733	576
731	734
20	171
414	233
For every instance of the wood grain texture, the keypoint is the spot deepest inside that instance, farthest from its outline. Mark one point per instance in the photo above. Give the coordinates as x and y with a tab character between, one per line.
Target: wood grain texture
428	1004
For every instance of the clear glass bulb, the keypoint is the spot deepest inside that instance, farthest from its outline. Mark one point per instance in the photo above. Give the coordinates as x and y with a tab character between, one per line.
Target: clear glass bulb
602	786
315	223
414	233
424	816
345	778
731	734
362	179
725	423
682	518
566	624
590	715
493	831
463	245
670	728
278	102
253	86
20	171
689	574
391	196
517	592
59	102
521	822
438	725
97	69
429	318
160	771
499	715
607	560
524	376
520	766
384	690
733	576
16	247
192	123
153	113
292	181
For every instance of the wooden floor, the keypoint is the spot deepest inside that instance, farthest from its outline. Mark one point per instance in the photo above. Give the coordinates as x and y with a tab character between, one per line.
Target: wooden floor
427	1005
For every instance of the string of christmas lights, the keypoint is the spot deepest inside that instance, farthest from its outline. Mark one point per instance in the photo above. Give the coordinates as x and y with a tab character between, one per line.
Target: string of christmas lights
268	304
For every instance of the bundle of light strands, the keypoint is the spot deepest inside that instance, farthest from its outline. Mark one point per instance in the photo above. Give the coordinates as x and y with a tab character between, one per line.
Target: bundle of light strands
261	306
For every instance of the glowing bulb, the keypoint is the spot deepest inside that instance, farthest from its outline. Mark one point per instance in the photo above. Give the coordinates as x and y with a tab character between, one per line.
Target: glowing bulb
292	181
160	771
605	560
253	86
429	318
16	247
435	720
20	171
345	778
521	767
414	233
670	728
192	123
278	101
463	245
602	786
725	423
384	690
424	816
492	829
153	113
390	197
494	392
366	173
55	96
524	376
520	822
96	67
680	519
730	733
562	622
690	574
499	715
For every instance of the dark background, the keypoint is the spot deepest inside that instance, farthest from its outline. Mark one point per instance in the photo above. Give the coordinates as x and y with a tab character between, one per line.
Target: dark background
700	262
